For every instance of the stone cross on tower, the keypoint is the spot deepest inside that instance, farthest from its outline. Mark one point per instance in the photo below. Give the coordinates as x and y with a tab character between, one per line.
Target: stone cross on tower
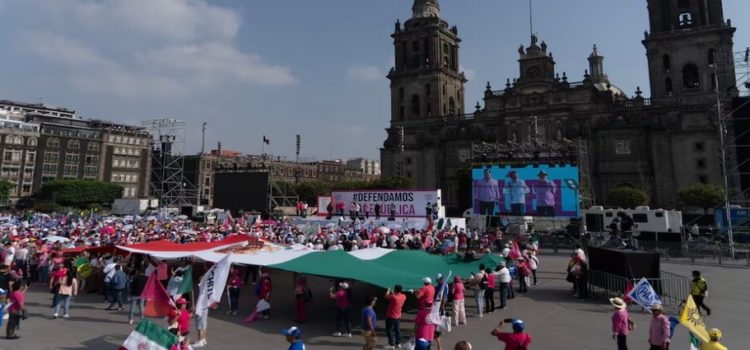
425	8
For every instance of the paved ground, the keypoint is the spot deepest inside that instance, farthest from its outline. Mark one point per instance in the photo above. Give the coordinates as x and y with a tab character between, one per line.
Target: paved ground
553	317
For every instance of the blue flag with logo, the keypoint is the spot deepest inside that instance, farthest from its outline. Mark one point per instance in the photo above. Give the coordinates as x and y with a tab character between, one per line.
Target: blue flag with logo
644	294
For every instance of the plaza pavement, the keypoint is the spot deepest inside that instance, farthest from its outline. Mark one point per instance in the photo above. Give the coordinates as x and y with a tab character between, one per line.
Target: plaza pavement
553	317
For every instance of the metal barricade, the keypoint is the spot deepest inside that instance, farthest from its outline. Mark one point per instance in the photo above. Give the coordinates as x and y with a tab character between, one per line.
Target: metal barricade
671	288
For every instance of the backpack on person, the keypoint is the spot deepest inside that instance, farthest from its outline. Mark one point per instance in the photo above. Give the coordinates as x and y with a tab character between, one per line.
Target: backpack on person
483	284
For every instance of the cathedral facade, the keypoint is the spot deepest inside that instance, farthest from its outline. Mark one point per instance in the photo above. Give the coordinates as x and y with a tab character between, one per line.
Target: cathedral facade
662	143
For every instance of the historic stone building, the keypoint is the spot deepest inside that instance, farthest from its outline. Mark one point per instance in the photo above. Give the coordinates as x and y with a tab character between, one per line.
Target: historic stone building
661	144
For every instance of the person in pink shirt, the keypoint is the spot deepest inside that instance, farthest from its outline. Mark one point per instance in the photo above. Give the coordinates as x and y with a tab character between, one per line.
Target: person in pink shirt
396	301
344	308
424	332
459	307
659	330
489	291
426	294
620	320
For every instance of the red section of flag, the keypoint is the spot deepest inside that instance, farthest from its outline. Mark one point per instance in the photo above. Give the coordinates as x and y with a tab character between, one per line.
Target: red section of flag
628	288
515	251
157	301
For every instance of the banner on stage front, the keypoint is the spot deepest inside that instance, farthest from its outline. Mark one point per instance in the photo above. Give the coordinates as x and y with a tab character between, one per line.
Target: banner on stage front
405	203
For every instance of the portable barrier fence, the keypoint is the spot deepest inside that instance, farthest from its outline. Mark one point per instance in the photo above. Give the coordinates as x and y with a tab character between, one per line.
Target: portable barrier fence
672	288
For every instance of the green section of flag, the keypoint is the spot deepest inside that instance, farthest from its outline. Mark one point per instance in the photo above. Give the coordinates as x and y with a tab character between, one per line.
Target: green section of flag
187	282
695	343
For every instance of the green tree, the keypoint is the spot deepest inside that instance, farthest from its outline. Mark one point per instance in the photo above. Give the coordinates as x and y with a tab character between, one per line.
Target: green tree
703	196
627	197
5	188
81	194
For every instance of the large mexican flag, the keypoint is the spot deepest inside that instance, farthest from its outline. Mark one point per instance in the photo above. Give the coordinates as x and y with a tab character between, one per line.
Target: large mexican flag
149	336
377	266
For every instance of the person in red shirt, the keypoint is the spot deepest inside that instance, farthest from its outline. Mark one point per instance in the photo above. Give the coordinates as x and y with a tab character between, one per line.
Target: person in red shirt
344	307
396	301
426	294
265	292
15	310
424	332
302	296
235	283
513	341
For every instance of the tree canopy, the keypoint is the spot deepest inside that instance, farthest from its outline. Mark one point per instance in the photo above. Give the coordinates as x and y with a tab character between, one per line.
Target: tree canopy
703	196
627	197
80	193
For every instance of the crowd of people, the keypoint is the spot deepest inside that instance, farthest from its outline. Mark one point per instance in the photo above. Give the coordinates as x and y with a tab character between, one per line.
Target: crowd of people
72	254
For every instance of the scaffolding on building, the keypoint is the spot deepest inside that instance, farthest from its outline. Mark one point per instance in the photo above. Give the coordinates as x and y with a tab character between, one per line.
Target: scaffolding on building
168	182
742	71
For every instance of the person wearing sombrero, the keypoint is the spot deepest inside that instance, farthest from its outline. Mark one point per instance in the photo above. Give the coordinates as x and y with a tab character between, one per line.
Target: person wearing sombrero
620	323
516	190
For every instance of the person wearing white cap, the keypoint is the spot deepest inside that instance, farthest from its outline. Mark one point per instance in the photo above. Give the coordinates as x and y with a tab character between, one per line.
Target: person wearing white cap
426	294
342	296
620	323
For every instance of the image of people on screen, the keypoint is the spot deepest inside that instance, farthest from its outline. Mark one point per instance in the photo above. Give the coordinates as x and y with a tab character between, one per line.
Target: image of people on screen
515	192
544	192
486	194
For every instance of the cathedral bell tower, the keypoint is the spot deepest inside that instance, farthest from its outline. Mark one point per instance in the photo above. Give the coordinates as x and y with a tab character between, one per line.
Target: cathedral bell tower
426	81
689	48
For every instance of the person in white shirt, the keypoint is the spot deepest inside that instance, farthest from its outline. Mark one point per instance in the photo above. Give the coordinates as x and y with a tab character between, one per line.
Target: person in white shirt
533	263
506	251
502	274
10	253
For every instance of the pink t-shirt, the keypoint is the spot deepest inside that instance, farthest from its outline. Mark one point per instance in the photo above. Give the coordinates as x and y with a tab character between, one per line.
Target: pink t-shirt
161	272
422	329
342	300
395	304
458	291
183	321
491	280
426	295
17	298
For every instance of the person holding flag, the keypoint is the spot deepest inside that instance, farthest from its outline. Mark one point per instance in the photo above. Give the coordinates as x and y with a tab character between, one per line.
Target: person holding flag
211	287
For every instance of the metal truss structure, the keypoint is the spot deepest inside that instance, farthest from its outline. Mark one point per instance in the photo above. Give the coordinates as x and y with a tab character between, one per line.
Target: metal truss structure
168	182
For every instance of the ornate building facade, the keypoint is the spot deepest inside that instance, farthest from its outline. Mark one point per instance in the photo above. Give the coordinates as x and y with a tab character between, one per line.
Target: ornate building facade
661	144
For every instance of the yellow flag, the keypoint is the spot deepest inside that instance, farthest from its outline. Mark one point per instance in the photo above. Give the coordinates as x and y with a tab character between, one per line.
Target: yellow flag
691	319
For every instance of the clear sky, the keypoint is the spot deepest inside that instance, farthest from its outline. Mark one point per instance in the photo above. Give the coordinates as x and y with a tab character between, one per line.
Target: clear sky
285	67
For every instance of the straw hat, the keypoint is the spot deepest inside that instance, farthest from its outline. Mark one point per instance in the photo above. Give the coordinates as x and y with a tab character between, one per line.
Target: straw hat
617	303
657	307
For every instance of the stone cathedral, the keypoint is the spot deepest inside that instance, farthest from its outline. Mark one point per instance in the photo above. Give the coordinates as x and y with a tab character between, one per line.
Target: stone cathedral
662	143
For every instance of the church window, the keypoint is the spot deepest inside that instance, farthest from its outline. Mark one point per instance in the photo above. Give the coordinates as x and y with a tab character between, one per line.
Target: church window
622	147
685	19
700	163
401	112
429	109
711	56
703	179
666	63
690	76
699	147
445	109
668	86
451	106
415	105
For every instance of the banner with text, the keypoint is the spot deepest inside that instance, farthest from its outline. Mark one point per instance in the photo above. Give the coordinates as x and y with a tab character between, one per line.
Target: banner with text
405	203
